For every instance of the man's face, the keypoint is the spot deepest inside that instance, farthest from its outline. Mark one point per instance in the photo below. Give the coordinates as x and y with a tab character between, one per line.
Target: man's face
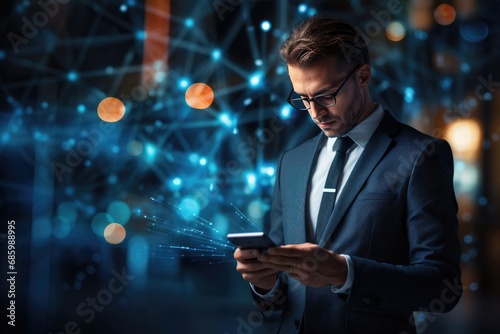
324	77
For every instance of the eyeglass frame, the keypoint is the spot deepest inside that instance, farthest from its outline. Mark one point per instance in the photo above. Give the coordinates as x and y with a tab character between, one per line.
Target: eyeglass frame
309	99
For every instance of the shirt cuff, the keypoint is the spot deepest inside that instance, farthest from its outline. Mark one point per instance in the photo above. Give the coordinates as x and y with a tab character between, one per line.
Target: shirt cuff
350	277
270	294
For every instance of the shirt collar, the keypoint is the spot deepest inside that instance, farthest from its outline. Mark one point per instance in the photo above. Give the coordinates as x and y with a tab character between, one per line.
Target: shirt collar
362	132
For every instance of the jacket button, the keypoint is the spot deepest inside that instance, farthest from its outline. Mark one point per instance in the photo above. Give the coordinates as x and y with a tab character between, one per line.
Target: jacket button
297	323
365	301
372	300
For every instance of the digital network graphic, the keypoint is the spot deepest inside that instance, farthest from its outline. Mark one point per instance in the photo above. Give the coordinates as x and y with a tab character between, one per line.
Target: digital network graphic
154	127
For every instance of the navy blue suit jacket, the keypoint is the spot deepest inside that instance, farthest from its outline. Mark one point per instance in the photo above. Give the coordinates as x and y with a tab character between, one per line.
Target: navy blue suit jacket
396	218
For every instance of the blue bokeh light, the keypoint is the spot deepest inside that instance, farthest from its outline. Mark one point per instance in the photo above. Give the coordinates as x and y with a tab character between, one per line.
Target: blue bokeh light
269	171
226	119
184	82
255	79
140	35
189	207
151	150
99	223
189	22
285	111
112	179
72	76
251	180
421	35
120	212
468	239
409	94
138	255
474	32
265	26
216	54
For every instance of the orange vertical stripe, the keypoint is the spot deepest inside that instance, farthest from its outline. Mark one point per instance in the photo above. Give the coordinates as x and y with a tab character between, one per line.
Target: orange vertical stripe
157	29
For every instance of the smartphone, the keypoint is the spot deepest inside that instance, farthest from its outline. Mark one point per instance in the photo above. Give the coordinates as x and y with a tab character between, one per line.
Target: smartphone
251	240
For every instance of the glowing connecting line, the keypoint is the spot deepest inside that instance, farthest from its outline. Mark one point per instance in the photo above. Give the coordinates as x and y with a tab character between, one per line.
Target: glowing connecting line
195	238
249	225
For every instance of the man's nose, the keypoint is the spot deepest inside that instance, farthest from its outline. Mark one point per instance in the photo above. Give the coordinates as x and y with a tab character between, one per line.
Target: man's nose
316	110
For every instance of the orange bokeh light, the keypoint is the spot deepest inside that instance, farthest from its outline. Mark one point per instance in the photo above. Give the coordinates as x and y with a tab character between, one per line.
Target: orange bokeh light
111	109
114	233
444	14
395	31
199	96
465	138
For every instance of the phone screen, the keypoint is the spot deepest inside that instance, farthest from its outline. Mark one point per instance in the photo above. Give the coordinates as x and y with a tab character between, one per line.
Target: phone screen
251	240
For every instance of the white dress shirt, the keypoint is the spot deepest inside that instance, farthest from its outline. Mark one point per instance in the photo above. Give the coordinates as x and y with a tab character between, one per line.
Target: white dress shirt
360	134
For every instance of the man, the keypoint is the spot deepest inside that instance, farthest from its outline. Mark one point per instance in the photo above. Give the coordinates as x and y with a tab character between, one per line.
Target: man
390	246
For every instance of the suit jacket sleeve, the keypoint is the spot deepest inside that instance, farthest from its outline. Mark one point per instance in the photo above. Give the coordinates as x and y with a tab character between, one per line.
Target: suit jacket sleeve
431	280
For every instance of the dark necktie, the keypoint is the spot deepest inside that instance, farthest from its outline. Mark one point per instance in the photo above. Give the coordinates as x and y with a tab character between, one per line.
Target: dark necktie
342	144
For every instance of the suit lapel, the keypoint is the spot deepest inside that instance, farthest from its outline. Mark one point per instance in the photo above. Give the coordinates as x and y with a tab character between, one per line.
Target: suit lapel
373	152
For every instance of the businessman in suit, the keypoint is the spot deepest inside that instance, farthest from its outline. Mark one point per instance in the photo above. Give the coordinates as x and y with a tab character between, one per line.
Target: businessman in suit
389	247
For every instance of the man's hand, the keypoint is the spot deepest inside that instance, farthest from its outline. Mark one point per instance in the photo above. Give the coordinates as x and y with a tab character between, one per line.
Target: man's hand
262	275
307	263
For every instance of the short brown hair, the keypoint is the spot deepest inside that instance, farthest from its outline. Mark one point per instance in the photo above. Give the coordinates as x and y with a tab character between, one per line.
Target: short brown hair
321	36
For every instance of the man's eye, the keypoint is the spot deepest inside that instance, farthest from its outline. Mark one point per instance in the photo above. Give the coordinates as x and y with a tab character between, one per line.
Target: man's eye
325	97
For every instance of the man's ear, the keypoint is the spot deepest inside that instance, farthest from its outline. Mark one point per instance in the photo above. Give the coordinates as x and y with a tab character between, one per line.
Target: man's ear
364	74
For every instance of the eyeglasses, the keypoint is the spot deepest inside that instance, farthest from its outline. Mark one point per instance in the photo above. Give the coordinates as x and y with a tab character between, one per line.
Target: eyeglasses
323	100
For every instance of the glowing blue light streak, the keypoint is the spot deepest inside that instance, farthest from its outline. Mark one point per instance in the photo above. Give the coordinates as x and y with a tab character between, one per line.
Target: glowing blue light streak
194	237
